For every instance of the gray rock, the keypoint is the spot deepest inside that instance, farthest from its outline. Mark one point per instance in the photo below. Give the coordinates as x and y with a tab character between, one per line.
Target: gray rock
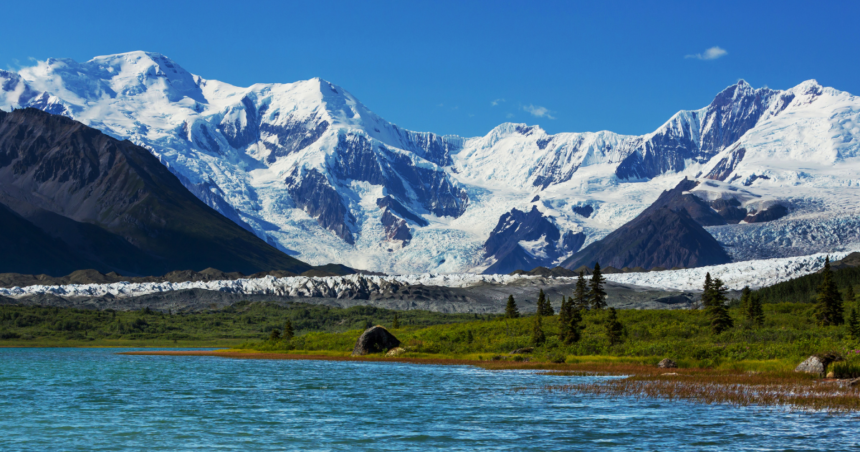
817	364
375	340
667	364
395	352
521	351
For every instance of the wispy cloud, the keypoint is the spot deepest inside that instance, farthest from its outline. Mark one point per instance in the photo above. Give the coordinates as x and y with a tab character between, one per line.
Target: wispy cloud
441	105
496	102
711	54
509	115
538	111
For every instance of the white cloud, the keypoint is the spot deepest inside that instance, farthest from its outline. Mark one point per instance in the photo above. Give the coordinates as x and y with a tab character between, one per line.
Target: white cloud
496	102
538	111
711	54
509	115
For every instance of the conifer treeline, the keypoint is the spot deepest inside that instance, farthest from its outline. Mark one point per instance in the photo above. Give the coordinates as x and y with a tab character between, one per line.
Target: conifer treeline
804	289
587	295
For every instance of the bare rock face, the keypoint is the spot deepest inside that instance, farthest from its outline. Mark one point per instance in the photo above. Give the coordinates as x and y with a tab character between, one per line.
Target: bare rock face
817	364
667	364
375	340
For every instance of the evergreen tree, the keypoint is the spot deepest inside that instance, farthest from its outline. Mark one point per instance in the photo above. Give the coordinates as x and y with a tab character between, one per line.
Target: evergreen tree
614	328
751	306
275	335
746	294
715	306
850	297
288	331
756	312
564	319
395	324
854	325
828	306
511	311
707	290
469	337
538	337
574	328
580	294
544	307
539	309
596	294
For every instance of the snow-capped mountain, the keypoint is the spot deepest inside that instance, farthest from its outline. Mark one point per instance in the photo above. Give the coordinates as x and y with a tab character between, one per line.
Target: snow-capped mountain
311	170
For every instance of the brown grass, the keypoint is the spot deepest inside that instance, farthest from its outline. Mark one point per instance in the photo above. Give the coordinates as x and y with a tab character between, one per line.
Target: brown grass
787	390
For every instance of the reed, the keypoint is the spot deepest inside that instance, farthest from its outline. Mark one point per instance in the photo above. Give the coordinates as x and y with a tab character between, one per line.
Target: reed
783	390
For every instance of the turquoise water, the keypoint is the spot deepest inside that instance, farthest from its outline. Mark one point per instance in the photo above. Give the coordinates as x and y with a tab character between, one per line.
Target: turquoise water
94	399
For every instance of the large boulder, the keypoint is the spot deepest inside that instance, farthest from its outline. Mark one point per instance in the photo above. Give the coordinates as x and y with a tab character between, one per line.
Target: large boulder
667	364
375	340
817	364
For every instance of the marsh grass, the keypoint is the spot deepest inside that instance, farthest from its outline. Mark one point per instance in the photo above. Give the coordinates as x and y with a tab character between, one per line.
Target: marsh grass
789	391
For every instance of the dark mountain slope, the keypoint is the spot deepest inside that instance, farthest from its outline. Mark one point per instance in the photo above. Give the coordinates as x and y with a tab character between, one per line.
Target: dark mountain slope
111	202
26	248
517	226
664	235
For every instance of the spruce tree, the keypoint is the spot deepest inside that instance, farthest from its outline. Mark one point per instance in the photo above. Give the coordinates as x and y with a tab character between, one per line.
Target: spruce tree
596	294
614	329
543	305
751	307
850	297
715	306
563	319
574	329
538	337
580	294
395	324
756	310
707	290
539	309
511	311
828	306
854	325
275	335
746	294
288	331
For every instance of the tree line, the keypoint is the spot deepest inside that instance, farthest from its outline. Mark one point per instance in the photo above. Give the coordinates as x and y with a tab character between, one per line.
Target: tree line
832	308
587	295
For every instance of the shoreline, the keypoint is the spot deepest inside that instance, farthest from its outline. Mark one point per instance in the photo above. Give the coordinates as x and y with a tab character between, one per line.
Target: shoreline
242	354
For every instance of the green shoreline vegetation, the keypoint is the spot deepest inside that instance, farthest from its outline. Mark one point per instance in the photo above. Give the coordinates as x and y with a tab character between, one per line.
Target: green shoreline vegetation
751	333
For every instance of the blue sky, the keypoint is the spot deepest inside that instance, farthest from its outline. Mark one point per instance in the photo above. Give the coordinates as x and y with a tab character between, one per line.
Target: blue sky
464	67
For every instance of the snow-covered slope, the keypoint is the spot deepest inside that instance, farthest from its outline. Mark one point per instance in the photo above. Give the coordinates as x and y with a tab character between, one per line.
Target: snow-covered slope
755	274
310	169
759	273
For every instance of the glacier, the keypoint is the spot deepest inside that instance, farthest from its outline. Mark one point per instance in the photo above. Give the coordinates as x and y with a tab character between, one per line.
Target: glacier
306	166
754	274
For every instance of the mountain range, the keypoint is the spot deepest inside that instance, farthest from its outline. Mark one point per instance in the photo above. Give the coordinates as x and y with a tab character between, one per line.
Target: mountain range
310	170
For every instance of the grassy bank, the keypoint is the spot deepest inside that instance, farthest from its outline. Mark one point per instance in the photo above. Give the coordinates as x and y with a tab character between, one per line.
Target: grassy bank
34	326
789	334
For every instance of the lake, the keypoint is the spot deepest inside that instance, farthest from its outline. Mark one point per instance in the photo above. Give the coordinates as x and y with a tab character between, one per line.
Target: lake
94	399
